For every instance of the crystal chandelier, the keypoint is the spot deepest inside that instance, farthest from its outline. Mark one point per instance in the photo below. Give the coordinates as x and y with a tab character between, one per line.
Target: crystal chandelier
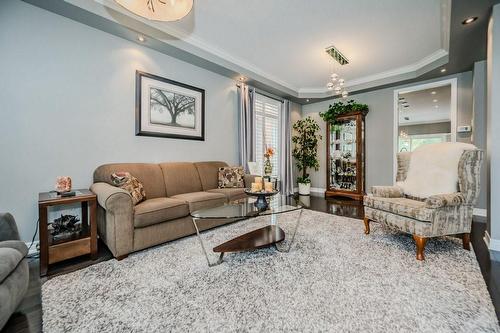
336	83
158	10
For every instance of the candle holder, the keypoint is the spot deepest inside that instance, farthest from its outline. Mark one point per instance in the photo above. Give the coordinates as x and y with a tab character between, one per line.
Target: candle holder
261	204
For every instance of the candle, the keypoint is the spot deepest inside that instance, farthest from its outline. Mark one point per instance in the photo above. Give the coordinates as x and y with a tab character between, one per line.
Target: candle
268	186
258	180
256	187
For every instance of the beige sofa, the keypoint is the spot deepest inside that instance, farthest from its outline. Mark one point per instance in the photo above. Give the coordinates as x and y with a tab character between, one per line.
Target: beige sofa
173	190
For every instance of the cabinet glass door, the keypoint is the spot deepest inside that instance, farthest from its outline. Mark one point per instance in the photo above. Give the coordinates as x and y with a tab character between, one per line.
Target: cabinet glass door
343	163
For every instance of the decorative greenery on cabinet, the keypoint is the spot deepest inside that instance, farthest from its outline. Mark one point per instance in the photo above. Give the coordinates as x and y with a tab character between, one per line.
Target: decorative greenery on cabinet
339	108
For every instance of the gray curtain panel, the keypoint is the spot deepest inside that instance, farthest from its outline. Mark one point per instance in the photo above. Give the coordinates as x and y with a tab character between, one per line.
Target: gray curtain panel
286	163
246	103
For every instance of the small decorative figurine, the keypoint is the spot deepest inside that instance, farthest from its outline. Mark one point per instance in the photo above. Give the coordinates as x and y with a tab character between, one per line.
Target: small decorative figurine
63	184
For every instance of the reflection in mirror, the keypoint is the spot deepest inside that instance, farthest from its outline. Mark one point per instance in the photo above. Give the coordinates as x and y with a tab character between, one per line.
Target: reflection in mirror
424	117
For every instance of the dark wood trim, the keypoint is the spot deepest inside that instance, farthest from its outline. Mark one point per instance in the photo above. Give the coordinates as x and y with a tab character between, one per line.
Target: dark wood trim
359	117
138	87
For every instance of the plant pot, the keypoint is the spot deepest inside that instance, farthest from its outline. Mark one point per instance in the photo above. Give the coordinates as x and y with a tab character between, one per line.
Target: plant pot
304	188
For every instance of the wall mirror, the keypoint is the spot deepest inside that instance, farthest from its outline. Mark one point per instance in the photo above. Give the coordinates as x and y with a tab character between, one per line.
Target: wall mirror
424	114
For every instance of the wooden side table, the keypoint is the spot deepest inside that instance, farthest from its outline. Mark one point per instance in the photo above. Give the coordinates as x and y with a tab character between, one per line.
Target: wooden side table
85	243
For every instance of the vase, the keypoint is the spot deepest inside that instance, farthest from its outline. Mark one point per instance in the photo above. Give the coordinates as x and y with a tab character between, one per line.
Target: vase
268	167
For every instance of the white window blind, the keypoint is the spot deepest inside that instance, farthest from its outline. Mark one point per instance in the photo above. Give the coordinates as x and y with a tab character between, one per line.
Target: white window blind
267	131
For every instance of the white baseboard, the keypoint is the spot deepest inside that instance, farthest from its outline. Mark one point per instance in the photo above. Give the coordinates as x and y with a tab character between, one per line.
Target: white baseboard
317	190
480	212
494	244
34	247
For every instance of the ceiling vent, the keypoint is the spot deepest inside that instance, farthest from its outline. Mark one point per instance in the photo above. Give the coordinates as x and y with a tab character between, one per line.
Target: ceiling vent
335	54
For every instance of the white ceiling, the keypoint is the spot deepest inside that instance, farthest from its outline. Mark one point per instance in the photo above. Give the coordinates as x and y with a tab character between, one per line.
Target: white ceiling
425	107
283	41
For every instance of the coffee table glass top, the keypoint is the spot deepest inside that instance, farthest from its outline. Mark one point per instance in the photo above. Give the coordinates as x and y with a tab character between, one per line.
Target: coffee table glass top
245	208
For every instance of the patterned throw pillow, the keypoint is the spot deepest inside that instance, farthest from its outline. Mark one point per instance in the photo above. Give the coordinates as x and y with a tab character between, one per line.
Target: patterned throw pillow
129	183
231	177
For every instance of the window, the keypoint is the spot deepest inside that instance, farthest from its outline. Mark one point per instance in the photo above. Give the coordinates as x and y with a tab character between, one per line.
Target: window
412	142
267	131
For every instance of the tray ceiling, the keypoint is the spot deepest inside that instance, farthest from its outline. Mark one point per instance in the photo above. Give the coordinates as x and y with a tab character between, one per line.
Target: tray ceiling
281	42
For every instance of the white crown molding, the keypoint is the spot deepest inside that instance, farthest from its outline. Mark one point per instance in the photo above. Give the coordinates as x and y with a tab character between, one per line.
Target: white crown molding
195	45
411	70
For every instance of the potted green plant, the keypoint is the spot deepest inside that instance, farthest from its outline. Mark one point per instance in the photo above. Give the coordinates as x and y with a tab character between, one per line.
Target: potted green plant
305	151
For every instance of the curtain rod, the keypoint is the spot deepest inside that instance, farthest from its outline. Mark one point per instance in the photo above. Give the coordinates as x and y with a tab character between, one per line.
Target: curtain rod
265	93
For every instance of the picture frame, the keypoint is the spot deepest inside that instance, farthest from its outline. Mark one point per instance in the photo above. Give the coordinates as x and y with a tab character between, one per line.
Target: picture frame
169	109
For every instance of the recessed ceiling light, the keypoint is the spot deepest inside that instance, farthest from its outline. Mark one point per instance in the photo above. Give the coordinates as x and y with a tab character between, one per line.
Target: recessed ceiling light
436	106
433	93
443	70
307	100
141	38
469	20
435	100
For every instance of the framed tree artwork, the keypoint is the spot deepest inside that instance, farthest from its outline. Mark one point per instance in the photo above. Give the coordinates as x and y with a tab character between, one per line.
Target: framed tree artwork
166	108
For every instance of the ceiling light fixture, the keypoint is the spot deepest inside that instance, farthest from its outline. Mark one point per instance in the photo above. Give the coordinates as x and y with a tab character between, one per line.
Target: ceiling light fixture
433	92
307	100
435	100
443	70
141	38
436	106
469	20
158	10
242	79
337	83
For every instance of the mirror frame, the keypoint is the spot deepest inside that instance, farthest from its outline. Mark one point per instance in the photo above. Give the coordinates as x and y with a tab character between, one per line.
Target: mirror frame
453	113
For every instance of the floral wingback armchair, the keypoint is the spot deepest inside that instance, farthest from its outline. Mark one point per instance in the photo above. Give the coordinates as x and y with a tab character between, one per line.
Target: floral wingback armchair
436	215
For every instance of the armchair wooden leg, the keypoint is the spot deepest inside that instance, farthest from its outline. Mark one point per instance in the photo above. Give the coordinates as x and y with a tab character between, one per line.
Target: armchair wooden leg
119	258
367	225
466	241
420	242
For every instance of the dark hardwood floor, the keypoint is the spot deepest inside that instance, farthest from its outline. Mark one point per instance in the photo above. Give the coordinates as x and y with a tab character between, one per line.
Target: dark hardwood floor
29	315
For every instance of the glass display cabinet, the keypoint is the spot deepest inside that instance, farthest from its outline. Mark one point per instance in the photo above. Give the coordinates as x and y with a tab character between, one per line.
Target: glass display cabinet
346	156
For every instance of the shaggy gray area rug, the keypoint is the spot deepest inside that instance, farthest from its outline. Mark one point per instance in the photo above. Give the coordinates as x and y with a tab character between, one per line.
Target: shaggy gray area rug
335	278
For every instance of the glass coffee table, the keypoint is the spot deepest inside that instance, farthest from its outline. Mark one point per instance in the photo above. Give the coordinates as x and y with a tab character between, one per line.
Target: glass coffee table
269	235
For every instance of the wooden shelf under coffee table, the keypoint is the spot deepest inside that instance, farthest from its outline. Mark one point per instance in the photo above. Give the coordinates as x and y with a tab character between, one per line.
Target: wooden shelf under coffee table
256	239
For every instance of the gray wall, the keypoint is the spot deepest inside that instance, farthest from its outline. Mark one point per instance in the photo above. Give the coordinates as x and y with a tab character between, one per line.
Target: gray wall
479	124
67	106
493	126
434	128
380	128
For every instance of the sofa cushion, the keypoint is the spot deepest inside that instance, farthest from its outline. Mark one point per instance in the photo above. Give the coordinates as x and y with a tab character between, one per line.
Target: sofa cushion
401	206
231	177
201	200
129	183
181	177
9	259
231	193
153	211
150	175
209	172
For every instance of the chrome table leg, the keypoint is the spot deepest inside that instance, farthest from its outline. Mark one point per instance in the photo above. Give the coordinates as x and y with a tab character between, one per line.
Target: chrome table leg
218	262
281	249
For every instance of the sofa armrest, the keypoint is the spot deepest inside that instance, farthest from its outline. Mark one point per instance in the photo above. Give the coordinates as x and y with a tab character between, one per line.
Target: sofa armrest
116	225
16	245
8	227
387	191
249	179
445	200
